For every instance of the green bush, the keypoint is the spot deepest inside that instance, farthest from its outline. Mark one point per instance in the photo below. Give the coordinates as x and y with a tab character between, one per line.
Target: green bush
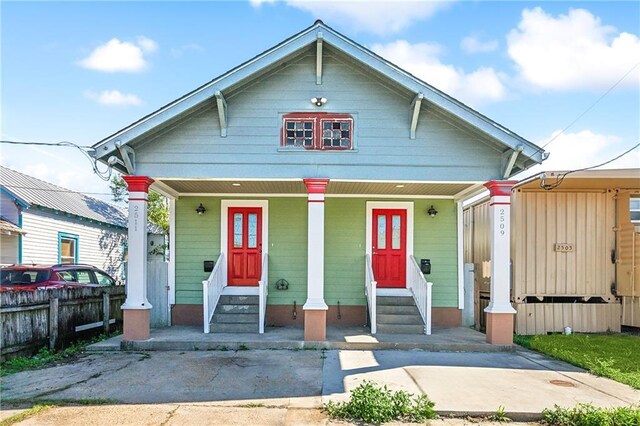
588	415
374	404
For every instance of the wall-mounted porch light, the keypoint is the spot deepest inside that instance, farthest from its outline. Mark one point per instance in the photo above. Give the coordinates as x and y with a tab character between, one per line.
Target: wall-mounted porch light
318	101
432	211
200	209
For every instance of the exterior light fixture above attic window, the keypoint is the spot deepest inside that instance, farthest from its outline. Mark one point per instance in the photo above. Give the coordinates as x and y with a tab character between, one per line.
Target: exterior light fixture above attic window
317	131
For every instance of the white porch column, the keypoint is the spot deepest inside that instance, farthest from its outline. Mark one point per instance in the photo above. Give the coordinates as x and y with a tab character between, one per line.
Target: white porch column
315	309
136	308
500	312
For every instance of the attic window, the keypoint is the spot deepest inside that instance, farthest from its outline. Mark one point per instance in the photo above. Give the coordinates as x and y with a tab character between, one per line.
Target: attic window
317	131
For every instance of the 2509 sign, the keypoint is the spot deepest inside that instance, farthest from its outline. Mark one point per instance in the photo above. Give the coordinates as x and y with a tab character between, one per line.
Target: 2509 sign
563	247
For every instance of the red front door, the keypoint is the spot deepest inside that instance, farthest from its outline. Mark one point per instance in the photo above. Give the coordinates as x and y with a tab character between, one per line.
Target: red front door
389	249
244	246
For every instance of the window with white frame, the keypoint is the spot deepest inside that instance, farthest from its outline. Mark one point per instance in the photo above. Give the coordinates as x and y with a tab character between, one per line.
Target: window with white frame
317	131
67	248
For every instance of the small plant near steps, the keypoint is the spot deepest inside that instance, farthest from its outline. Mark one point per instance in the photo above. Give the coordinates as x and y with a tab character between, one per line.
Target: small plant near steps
500	415
371	403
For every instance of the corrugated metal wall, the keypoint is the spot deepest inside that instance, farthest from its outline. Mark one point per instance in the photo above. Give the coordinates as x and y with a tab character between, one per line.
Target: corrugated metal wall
582	220
628	253
585	220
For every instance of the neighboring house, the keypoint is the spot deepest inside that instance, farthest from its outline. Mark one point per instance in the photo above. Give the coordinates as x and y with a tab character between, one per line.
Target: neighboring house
319	163
575	251
43	223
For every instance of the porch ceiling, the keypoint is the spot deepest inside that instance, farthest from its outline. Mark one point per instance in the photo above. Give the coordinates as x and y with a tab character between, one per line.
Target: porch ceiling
198	186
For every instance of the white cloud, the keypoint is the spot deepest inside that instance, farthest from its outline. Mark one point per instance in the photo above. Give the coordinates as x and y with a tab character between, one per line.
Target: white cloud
258	3
120	56
421	59
147	44
573	51
571	151
472	44
378	17
113	98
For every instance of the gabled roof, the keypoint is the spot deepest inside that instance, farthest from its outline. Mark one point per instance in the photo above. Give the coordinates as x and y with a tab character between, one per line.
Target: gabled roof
294	44
31	191
28	191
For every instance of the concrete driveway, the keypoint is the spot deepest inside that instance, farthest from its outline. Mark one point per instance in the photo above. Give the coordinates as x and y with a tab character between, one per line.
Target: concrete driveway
287	383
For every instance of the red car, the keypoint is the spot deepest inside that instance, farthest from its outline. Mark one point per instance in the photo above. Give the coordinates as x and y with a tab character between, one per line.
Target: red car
36	277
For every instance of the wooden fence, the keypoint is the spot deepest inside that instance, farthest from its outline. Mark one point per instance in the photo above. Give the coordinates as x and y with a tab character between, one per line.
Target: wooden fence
30	320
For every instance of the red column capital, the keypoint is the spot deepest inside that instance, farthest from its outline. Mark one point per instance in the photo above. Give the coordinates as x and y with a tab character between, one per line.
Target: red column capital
315	185
500	187
138	183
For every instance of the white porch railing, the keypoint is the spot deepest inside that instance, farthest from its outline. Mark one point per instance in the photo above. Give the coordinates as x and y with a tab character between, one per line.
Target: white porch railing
263	291
421	290
212	289
370	289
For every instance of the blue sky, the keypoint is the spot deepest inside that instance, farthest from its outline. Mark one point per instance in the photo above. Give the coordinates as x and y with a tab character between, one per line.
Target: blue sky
78	71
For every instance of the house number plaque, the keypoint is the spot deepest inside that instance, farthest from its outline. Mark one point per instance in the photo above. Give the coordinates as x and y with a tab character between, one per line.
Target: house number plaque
563	247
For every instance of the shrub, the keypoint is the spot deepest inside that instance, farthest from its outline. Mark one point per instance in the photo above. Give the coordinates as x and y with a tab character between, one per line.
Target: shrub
588	415
374	404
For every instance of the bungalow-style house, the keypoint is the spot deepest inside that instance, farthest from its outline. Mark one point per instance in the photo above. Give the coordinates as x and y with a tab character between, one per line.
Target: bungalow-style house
575	253
46	224
314	185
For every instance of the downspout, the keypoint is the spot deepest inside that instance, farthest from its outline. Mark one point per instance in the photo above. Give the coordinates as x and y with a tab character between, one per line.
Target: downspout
20	236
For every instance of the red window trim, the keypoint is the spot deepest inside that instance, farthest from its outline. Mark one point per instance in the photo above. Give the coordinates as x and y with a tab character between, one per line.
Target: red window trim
317	118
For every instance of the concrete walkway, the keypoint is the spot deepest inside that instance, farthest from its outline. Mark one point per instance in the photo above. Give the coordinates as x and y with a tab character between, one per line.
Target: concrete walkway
184	338
178	387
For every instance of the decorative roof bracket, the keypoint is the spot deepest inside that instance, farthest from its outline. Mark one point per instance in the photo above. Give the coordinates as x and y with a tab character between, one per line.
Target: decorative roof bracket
222	112
128	157
415	107
319	39
512	161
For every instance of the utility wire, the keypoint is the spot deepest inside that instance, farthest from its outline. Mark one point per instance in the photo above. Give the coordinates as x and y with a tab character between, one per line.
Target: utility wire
560	177
589	108
104	175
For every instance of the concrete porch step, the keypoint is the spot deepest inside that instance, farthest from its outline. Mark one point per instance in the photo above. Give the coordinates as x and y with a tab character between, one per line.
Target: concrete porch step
395	301
235	318
237	309
221	327
400	329
400	319
238	300
397	310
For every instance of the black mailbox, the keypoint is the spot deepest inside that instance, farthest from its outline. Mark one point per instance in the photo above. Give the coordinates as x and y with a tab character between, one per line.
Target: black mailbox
425	266
208	265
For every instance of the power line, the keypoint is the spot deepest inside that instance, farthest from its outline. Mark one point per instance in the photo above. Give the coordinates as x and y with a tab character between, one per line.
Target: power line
61	143
590	107
560	177
104	175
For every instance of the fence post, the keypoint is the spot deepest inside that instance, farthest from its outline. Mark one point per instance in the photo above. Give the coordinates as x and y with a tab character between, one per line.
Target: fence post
106	312
53	322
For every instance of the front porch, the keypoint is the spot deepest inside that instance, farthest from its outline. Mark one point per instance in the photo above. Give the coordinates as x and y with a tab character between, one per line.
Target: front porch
191	338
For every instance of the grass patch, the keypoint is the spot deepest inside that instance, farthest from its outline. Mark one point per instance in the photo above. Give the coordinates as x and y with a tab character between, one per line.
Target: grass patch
23	415
614	356
46	356
588	415
500	416
370	403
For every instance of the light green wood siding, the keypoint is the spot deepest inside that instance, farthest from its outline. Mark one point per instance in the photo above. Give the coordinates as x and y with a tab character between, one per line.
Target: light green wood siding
198	239
435	238
288	250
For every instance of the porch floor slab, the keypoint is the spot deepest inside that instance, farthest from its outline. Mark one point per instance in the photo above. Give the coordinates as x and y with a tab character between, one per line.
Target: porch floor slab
186	338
